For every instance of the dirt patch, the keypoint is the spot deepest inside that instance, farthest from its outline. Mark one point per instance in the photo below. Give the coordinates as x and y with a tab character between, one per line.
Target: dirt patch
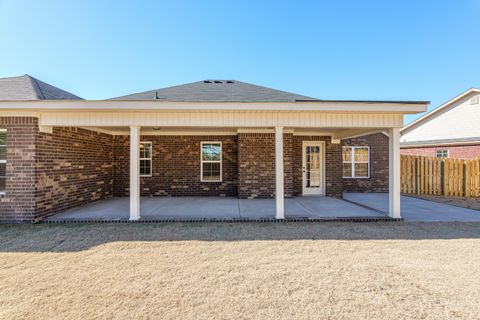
464	202
241	271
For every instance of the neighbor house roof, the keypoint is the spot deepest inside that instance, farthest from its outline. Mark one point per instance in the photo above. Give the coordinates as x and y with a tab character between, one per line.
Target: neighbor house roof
217	91
431	114
28	88
454	122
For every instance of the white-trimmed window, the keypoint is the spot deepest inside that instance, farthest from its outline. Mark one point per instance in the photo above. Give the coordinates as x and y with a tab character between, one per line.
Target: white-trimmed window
356	162
442	153
145	159
211	161
3	159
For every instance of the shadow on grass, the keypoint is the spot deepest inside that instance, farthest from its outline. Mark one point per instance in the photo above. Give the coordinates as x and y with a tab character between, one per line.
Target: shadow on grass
78	237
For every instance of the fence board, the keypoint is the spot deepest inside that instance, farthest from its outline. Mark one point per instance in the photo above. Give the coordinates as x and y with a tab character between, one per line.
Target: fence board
440	176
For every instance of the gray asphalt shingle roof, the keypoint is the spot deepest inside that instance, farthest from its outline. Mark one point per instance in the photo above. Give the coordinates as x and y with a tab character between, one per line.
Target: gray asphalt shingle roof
28	88
216	91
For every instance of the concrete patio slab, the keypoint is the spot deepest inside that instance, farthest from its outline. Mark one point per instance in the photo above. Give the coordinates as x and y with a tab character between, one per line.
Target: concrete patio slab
327	207
189	207
257	208
414	209
224	208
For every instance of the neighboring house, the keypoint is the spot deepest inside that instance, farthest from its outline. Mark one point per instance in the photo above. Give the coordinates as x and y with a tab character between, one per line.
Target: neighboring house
452	130
207	138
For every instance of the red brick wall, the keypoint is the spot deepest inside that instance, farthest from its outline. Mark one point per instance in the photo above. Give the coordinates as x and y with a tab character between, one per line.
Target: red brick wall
457	152
288	164
176	167
256	165
18	204
378	181
74	167
49	173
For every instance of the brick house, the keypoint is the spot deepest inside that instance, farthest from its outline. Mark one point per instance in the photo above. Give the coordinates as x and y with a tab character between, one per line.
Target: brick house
451	130
207	138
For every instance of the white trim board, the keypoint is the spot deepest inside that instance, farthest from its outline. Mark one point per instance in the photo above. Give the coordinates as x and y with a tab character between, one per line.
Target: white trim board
220	119
152	105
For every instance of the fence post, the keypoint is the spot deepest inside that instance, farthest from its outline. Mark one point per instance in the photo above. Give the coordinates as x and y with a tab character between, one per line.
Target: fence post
416	176
442	177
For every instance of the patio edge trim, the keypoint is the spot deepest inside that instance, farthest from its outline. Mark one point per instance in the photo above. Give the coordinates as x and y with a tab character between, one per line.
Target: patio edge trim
216	220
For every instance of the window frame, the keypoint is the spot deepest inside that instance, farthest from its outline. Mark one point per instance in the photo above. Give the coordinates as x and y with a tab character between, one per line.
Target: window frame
352	162
436	153
150	159
210	161
2	192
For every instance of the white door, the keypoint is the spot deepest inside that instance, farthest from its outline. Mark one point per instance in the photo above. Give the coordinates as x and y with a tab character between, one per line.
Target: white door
313	167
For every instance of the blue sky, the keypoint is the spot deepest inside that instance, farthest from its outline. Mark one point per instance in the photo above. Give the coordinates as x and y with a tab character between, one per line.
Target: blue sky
394	50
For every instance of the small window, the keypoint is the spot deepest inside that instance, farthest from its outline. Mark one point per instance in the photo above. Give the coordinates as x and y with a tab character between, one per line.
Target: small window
356	162
442	153
3	159
145	159
211	162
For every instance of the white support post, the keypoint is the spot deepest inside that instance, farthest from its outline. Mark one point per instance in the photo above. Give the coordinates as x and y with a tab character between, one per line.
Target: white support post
279	191
394	173
134	172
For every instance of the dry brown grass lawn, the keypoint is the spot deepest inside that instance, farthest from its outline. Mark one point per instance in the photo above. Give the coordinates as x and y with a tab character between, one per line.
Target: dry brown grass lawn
241	271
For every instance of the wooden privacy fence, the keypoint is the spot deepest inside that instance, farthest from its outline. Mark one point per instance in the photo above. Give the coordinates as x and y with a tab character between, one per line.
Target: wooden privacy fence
440	176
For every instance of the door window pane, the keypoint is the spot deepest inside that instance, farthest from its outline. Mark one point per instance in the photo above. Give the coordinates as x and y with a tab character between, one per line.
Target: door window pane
312	166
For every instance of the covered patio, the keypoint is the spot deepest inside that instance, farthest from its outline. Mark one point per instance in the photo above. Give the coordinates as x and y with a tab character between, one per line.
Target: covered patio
218	208
162	159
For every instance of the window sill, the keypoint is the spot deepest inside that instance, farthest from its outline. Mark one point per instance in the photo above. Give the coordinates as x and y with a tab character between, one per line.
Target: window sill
355	177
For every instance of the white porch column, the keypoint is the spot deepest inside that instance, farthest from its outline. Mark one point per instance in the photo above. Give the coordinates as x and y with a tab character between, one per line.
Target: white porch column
279	191
134	172
394	173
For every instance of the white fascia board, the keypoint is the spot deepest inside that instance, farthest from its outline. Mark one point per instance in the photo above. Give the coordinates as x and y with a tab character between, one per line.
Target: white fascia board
151	132
116	105
420	120
439	144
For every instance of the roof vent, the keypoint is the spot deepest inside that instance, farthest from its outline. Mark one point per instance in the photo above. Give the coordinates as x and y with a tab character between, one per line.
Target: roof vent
207	81
230	81
218	81
475	99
